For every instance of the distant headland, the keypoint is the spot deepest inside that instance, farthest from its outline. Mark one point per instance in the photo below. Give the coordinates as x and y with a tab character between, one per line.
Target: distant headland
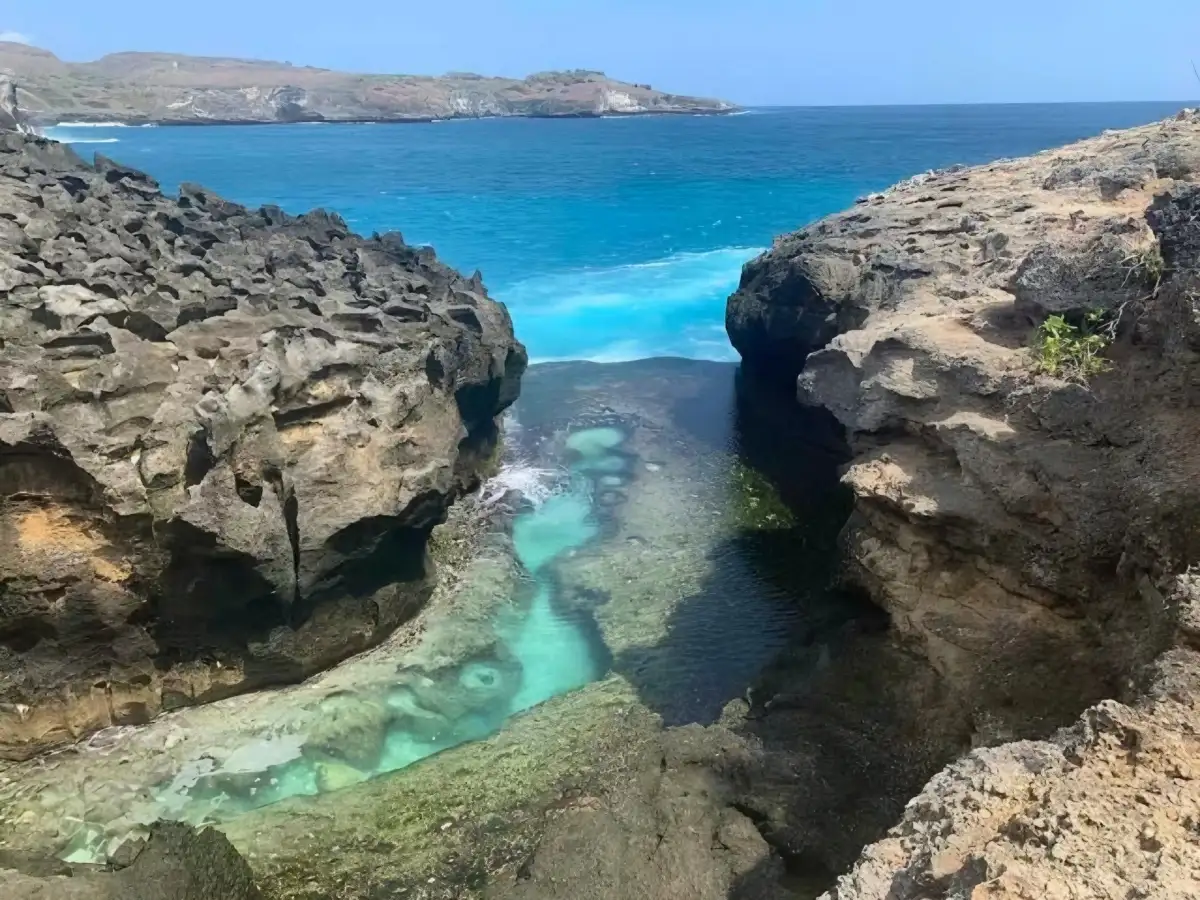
171	89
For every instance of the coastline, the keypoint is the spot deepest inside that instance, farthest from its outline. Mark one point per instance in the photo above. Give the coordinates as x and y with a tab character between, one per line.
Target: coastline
85	122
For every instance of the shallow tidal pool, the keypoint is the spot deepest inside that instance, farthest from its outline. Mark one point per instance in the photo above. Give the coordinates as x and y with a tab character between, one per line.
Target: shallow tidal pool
636	542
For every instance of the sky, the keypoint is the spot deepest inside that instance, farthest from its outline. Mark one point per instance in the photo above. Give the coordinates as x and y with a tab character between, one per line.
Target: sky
753	52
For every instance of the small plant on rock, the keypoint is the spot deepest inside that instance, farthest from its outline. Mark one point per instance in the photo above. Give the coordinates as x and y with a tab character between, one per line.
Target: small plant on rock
1073	352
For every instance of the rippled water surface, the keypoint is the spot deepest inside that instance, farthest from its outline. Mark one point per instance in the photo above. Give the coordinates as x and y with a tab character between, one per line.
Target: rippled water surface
610	239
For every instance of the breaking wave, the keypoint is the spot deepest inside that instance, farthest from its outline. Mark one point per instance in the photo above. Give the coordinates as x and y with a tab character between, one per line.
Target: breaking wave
674	306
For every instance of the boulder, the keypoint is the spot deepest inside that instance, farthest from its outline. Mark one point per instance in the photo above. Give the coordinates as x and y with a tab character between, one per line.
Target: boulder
225	436
175	863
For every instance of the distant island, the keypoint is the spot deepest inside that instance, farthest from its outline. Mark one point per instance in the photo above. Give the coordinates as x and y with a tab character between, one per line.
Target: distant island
171	89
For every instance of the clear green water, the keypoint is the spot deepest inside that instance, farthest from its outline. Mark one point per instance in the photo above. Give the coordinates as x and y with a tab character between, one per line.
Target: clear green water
542	654
554	653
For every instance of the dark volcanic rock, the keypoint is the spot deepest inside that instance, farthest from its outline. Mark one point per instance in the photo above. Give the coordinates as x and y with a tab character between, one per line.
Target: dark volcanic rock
176	863
225	436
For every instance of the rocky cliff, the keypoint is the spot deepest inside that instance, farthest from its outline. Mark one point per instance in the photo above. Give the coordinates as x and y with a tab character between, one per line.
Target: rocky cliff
1023	522
187	90
225	436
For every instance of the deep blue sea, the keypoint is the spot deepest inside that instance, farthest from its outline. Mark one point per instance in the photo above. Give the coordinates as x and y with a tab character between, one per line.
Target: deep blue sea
609	239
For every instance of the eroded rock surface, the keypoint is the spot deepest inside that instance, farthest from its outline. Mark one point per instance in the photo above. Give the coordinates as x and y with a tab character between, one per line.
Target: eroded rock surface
11	116
225	436
1107	809
1017	526
1023	530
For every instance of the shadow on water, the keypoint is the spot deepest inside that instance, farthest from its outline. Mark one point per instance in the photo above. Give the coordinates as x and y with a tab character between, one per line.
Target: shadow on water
770	581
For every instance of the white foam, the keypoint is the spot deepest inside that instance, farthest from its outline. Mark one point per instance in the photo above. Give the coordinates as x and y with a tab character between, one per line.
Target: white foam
91	125
60	134
680	278
534	483
674	306
616	352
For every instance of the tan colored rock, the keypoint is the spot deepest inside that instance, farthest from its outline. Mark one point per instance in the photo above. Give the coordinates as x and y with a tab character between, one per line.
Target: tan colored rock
1031	535
1107	809
1005	518
173	88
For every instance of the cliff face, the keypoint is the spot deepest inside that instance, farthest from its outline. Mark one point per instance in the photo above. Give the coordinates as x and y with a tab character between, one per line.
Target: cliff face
11	116
175	89
225	436
1024	530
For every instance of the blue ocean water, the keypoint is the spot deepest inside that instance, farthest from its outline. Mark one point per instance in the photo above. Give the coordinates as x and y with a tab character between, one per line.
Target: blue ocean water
609	239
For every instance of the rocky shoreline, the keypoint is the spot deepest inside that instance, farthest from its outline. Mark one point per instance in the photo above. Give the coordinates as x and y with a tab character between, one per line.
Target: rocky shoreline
1028	529
985	645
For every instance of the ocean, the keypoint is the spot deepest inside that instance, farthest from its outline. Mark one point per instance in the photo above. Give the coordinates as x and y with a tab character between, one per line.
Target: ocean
609	239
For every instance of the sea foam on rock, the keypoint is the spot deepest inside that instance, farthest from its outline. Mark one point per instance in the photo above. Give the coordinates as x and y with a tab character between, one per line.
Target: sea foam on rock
225	437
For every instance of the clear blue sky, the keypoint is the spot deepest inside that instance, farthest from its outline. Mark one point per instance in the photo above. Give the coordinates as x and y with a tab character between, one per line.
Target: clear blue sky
750	51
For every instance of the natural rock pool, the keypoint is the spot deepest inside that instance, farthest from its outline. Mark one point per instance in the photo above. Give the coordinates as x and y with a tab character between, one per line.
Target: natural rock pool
631	553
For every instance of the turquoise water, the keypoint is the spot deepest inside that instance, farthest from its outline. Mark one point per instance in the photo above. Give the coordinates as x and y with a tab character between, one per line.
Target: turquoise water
622	524
609	239
542	651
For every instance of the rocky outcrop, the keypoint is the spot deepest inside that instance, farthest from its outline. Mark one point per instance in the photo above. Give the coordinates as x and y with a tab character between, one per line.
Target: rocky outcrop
1108	808
1023	528
225	436
11	116
176	862
188	90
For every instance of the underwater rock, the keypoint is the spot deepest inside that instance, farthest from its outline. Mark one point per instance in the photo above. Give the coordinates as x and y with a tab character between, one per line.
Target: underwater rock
227	435
334	776
452	693
349	727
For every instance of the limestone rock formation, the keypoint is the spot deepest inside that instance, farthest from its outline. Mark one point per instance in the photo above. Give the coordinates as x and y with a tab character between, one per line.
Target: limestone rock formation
1007	520
175	89
175	863
1023	528
225	436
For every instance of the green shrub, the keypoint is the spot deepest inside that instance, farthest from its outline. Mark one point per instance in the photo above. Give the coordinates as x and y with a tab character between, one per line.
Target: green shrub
1073	352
